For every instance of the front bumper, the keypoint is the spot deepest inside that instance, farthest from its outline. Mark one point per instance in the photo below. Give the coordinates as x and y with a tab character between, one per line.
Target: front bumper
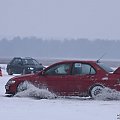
9	90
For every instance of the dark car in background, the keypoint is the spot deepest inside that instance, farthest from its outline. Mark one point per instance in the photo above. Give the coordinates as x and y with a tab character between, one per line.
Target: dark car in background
19	65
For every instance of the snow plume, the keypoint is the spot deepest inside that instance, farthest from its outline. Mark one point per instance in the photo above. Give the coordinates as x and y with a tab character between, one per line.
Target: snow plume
41	93
35	92
108	94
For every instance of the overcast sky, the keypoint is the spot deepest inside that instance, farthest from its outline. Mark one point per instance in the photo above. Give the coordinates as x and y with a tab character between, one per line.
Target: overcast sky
60	18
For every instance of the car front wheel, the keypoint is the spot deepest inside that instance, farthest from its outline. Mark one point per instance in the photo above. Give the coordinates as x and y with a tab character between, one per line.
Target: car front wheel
10	72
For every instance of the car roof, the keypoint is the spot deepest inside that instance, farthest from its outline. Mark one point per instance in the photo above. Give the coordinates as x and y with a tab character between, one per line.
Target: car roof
73	61
23	58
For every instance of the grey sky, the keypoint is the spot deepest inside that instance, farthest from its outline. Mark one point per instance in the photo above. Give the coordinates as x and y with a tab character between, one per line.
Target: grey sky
60	18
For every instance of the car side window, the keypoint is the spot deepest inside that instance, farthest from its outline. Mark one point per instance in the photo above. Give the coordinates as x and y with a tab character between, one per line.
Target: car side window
62	69
87	69
77	69
17	61
82	69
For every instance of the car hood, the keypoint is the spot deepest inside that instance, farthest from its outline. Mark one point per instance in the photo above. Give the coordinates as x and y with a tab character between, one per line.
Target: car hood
117	71
23	77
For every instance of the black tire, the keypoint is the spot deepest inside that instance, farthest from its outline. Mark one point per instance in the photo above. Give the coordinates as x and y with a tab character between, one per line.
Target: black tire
10	72
96	90
23	72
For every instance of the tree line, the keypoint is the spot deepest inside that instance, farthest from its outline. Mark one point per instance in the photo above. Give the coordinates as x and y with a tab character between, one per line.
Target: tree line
55	48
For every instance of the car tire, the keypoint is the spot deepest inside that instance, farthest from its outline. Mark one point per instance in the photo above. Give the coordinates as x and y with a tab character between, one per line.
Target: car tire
22	86
96	90
10	72
23	72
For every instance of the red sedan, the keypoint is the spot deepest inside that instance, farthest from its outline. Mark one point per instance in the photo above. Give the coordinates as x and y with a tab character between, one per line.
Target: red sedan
69	78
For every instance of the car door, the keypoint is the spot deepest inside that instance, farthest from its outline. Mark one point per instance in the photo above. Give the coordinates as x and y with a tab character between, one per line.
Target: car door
84	76
58	79
17	66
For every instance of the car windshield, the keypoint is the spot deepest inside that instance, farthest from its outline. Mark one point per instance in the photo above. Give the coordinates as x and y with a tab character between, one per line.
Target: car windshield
105	67
36	63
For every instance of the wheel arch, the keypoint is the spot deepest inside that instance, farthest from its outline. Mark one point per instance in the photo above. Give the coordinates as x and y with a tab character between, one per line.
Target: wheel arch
91	87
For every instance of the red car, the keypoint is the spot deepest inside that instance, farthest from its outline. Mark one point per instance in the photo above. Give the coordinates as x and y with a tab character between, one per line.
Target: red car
69	78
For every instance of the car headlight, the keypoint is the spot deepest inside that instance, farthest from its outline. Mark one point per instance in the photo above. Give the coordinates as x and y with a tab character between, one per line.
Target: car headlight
31	68
10	82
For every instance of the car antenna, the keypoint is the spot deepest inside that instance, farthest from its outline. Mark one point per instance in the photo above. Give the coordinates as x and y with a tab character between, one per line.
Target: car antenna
101	58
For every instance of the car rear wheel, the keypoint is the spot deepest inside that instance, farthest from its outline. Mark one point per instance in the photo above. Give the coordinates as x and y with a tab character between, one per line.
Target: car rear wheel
96	90
10	72
22	86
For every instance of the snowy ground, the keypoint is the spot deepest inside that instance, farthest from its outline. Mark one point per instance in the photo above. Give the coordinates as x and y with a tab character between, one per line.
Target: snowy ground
29	108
